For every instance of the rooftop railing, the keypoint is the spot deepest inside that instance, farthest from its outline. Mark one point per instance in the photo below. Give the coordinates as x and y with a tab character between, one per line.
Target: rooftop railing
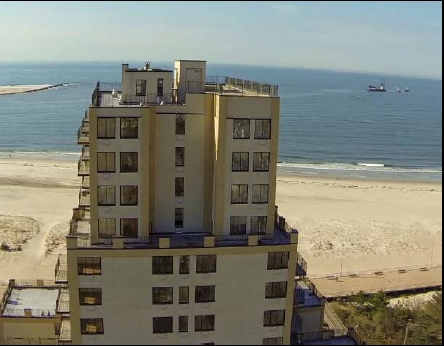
230	85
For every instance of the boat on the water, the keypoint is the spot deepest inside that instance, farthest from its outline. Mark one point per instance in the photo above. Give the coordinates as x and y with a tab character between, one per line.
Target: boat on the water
380	87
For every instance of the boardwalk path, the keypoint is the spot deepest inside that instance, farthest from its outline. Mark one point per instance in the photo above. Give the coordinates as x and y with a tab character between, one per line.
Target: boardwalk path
387	281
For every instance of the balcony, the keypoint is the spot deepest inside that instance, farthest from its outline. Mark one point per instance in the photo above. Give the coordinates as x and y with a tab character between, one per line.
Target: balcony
65	332
82	167
85	181
79	228
301	266
84	198
85	154
83	132
62	306
307	295
61	270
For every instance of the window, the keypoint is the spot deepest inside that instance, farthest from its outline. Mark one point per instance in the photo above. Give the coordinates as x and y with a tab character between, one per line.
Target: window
162	325
90	296
178	217
274	318
162	295
179	187
273	341
184	295
260	193
106	195
180	156
129	128
159	86
205	294
106	128
241	128
91	326
128	195
203	323
240	162
262	129
206	264
183	324
140	87
106	162
129	228
238	225
184	265
89	266
163	265
258	225
239	194
128	162
107	228
275	289
261	162
180	124
278	260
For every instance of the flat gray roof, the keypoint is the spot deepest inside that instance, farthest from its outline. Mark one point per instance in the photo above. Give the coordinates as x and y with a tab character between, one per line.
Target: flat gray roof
41	301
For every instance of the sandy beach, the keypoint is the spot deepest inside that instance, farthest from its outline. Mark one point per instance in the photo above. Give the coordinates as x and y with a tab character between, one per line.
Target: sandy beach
18	89
364	224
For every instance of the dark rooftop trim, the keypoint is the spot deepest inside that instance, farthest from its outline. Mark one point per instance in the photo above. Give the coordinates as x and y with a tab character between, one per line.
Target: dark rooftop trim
136	69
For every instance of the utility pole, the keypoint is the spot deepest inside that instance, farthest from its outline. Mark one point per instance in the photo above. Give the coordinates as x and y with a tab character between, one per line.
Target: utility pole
342	258
406	332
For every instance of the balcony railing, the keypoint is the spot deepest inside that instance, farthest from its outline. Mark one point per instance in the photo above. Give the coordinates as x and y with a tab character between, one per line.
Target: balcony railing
83	167
41	313
301	266
85	153
84	198
306	294
82	137
107	99
65	331
229	85
61	270
85	181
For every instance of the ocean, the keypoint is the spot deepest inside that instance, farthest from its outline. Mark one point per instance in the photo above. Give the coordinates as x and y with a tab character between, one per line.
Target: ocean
329	125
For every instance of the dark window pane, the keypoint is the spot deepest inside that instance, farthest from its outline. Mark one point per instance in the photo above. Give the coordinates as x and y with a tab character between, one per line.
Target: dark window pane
129	127
128	162
180	124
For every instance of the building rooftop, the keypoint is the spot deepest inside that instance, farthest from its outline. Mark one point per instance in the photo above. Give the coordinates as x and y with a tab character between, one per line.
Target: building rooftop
41	301
304	296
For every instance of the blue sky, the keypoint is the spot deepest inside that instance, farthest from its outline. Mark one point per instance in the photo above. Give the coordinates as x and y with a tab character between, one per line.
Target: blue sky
403	38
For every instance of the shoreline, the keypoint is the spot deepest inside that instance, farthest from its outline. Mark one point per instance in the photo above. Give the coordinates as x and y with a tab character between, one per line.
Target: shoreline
320	175
21	89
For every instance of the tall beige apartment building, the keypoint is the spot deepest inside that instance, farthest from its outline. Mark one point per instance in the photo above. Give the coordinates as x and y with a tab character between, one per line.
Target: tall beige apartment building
177	238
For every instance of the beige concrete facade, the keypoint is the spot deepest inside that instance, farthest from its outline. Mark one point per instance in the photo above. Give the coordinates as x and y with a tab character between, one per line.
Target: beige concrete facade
195	224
